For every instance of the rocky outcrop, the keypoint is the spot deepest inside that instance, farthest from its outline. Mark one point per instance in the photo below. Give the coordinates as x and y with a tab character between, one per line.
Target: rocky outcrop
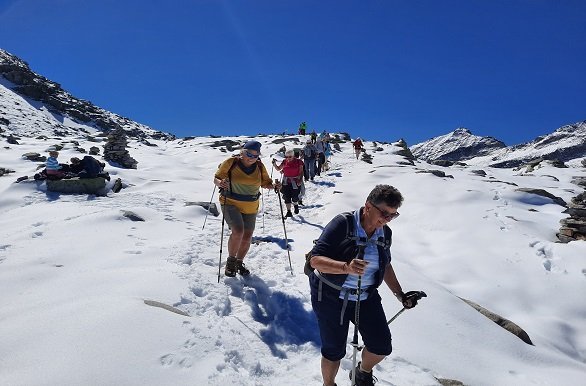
34	86
115	150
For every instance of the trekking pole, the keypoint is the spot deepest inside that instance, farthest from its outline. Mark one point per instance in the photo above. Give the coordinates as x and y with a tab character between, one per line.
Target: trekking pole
262	199
209	205
396	315
360	256
284	228
221	243
416	295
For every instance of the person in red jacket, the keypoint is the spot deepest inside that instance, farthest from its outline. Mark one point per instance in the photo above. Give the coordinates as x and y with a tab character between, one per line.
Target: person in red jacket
358	147
292	169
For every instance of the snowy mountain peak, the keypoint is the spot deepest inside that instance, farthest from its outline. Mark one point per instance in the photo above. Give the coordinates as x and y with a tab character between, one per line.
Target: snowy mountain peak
458	145
566	143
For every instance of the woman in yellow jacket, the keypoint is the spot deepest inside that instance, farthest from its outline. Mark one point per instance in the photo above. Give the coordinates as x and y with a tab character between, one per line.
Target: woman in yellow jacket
240	179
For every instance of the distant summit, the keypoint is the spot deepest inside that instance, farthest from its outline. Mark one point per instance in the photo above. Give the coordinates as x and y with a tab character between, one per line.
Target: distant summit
459	145
50	107
564	144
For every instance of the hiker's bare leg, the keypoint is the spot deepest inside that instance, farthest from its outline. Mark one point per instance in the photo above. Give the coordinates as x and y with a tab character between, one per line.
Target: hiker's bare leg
369	360
329	369
234	241
244	244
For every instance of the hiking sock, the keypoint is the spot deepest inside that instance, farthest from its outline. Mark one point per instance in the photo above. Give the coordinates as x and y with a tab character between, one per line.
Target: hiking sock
231	266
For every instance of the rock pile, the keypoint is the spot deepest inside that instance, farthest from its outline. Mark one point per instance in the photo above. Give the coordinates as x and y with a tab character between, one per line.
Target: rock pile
115	150
574	227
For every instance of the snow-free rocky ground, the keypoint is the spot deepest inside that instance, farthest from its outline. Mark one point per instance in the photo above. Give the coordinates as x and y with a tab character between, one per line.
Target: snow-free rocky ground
75	274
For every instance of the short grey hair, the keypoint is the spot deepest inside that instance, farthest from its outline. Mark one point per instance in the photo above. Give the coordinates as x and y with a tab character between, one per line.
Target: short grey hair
386	194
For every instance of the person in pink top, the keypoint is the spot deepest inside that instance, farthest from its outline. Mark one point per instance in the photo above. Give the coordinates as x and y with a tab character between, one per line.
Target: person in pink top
292	169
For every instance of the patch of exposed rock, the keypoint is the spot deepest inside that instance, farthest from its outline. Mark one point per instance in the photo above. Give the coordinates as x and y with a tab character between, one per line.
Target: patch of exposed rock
574	227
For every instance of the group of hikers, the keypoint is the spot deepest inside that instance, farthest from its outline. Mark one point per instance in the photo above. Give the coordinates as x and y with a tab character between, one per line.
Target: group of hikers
87	167
345	269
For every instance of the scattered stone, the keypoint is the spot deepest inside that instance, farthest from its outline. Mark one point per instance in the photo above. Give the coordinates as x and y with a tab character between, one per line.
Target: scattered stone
36	157
12	140
19	179
94	150
4	171
164	306
213	209
132	216
442	162
117	185
437	173
449	382
504	323
479	172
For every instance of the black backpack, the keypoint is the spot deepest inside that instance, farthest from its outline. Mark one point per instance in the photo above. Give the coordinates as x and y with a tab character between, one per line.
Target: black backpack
349	247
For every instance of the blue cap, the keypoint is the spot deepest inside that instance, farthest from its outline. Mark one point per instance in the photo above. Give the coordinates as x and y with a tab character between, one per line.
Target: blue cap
252	145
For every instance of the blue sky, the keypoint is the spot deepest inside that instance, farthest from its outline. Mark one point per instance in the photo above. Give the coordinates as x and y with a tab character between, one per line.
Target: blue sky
381	70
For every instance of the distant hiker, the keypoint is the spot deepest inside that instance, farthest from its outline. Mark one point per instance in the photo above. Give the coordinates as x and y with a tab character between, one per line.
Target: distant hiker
313	136
240	179
292	169
327	154
302	128
358	146
321	157
337	270
53	168
309	157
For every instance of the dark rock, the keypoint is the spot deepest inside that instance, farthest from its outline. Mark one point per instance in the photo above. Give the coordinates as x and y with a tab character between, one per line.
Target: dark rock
19	179
544	193
36	157
132	216
504	323
479	172
4	171
115	150
442	162
206	205
94	150
12	140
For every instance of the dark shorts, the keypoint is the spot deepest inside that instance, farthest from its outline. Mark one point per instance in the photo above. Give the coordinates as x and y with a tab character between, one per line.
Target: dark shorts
372	324
290	194
238	221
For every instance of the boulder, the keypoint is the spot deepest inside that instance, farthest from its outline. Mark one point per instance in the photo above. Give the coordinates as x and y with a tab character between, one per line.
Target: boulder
78	185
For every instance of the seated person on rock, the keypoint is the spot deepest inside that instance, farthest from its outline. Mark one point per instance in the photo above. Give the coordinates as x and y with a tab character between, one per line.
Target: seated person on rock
88	167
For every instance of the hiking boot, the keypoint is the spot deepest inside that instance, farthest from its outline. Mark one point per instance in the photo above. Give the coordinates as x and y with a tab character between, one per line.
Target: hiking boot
289	214
300	202
363	378
231	266
296	208
242	268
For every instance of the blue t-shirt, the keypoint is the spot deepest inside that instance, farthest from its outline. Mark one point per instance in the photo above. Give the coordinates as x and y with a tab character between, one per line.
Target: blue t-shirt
370	255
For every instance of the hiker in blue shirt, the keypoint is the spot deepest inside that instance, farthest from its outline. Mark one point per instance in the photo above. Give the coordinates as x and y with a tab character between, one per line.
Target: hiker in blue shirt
337	270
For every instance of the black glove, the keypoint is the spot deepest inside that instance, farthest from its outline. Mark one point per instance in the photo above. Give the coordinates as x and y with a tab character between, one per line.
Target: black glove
409	299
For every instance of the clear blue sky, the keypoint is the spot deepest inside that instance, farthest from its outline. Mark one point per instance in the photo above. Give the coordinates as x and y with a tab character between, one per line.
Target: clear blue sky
386	69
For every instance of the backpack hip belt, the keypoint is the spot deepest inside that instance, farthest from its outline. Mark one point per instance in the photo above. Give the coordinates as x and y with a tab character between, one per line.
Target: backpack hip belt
348	292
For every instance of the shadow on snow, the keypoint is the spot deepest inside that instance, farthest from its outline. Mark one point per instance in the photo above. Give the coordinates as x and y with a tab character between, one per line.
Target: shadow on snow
285	319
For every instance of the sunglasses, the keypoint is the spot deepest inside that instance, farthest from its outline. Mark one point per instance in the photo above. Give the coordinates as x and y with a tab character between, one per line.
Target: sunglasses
251	155
386	215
